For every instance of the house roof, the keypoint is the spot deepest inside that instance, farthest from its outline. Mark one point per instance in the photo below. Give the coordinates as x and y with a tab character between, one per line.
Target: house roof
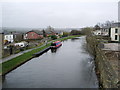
106	27
57	31
50	31
116	24
12	33
37	31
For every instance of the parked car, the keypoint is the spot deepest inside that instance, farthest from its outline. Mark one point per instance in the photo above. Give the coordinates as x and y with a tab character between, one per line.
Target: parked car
21	44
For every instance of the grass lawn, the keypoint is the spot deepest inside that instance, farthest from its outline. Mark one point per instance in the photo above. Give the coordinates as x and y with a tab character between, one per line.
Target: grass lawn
15	62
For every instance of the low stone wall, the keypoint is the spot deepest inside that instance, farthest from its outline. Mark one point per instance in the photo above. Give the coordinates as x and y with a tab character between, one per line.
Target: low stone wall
8	51
106	74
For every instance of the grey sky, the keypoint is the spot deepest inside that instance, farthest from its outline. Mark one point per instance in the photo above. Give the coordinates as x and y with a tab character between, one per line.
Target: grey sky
63	14
119	11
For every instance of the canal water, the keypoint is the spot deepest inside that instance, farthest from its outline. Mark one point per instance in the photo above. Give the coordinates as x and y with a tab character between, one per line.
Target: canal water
69	66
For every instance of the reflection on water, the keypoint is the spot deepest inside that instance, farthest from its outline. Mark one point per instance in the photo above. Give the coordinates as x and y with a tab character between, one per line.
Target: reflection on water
53	50
73	39
69	66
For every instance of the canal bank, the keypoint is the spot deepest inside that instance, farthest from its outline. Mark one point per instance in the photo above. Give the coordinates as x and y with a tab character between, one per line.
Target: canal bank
21	59
69	66
108	77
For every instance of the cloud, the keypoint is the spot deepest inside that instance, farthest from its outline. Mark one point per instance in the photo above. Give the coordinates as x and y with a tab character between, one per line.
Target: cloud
57	14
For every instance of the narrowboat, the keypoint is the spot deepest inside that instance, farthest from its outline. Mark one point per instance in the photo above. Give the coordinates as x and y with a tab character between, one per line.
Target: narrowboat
56	44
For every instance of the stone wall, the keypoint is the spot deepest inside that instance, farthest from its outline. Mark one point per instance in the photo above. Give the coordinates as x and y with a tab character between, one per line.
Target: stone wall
106	74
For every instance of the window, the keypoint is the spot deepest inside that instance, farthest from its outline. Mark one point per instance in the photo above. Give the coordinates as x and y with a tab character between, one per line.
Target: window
116	37
116	30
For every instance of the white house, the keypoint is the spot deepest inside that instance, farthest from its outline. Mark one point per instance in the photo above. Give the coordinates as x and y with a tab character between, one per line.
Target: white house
13	37
115	32
97	32
9	37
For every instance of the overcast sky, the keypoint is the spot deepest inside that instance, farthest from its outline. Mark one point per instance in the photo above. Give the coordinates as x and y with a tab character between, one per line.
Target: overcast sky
57	13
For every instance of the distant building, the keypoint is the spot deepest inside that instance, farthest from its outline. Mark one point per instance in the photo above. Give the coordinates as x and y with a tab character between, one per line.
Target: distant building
34	34
105	30
114	32
102	31
9	38
50	31
97	32
13	37
59	32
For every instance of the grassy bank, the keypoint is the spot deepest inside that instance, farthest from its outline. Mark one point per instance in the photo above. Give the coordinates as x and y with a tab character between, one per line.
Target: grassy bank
17	61
13	63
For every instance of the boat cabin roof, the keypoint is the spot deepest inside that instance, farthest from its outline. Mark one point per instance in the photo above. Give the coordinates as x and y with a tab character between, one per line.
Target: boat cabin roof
56	41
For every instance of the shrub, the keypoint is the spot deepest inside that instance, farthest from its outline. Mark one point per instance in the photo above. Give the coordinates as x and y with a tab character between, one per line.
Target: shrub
53	37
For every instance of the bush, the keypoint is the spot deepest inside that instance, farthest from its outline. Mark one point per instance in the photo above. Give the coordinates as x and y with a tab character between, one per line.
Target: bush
86	31
75	32
65	34
53	37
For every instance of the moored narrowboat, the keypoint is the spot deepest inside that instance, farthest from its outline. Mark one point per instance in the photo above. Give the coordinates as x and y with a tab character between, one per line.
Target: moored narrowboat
56	44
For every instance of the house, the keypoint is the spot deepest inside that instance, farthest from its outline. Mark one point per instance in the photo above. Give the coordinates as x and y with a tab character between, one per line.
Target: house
114	32
58	32
9	37
97	32
50	31
34	34
13	37
105	30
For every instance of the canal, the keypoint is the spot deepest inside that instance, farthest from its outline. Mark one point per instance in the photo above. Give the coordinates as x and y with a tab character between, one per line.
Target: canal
70	66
